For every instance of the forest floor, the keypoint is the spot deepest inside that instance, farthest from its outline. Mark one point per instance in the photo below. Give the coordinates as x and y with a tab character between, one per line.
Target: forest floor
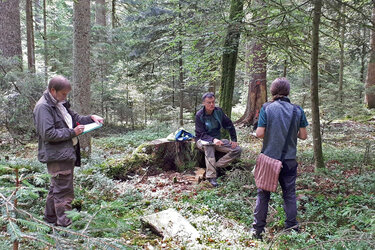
336	205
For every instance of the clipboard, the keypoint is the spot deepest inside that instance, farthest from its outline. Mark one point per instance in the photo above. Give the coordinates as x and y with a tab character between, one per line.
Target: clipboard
90	127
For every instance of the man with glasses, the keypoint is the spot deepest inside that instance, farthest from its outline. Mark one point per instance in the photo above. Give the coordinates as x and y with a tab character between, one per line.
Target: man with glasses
57	127
208	124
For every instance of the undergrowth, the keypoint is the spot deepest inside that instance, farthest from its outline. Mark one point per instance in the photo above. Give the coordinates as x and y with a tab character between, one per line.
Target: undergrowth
336	205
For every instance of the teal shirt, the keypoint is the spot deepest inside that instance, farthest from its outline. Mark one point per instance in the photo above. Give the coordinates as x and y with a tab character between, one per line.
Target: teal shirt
212	125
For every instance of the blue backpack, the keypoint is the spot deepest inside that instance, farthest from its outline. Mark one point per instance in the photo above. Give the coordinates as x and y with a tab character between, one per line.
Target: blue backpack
183	135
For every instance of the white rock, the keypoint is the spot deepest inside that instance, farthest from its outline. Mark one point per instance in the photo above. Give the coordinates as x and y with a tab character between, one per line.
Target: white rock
170	224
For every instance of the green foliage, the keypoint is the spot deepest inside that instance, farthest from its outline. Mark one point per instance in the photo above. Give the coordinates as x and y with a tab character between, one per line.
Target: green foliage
108	213
230	201
17	101
135	83
336	207
121	169
128	142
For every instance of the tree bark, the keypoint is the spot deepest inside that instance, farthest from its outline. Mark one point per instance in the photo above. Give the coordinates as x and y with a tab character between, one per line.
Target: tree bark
10	32
114	18
370	80
229	59
181	68
256	72
81	66
30	36
256	68
101	63
100	10
363	56
181	81
285	68
215	80
317	141
45	41
342	24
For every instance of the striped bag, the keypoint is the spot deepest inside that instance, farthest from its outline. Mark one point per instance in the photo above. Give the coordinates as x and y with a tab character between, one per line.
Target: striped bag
267	172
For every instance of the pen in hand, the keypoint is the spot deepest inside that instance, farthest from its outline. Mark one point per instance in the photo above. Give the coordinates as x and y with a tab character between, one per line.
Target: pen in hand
79	129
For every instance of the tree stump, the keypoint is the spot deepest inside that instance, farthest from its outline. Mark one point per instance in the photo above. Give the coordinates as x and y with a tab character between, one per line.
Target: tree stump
160	155
176	155
171	155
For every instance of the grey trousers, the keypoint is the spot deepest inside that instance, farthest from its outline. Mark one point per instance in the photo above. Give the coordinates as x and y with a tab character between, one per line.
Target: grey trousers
61	193
209	152
287	180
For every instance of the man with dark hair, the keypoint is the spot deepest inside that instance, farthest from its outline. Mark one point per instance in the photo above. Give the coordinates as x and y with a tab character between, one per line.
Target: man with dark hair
57	127
208	122
277	120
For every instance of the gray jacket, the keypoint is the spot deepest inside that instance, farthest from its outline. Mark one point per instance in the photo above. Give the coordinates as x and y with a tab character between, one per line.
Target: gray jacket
55	137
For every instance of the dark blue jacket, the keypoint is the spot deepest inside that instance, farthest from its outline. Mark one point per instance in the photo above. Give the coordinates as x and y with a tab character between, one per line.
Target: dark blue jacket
202	131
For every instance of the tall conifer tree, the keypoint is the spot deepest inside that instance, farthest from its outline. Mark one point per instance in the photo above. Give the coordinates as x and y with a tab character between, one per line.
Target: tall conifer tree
229	59
317	140
81	65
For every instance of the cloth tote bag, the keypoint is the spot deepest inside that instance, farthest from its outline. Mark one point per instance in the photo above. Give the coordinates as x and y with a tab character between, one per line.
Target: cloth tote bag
267	172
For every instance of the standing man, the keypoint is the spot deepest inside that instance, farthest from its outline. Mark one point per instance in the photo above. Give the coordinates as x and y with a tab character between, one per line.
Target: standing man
275	121
57	127
208	122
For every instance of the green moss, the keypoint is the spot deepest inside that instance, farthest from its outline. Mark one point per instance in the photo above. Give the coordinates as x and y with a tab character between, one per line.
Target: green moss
142	149
120	169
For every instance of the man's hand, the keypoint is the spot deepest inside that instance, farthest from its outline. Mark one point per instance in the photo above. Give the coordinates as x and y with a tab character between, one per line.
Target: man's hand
218	142
79	129
97	119
234	144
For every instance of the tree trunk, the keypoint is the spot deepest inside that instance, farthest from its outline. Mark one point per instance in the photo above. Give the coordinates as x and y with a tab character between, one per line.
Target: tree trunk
363	57
145	103
370	80
214	81
285	68
81	65
100	10
317	141
101	64
45	41
173	89
181	81
30	36
229	59
10	32
181	67
342	24
256	68
114	18
171	155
